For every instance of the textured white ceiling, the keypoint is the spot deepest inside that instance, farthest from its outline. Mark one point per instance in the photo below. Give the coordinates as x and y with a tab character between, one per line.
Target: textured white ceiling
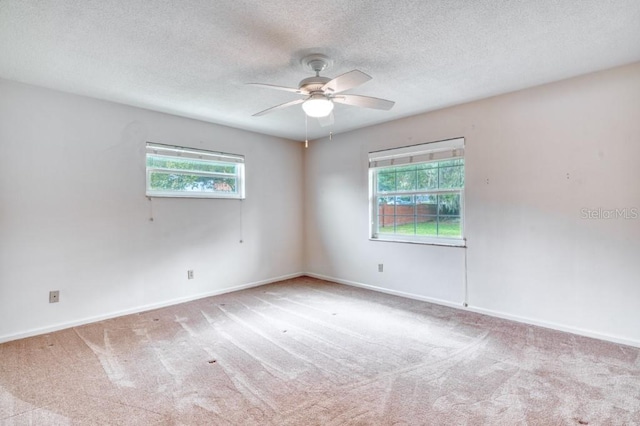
192	57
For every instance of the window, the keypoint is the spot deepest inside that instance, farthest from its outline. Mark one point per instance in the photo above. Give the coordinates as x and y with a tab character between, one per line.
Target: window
417	193
186	172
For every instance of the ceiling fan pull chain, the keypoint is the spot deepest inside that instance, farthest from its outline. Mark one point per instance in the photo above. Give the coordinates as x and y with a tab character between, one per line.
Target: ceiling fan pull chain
306	131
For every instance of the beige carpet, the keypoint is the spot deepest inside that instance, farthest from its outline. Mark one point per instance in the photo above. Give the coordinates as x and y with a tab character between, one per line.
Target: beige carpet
309	352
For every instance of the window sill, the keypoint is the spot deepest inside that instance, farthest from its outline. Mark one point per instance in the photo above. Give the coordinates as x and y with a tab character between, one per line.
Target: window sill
200	195
446	242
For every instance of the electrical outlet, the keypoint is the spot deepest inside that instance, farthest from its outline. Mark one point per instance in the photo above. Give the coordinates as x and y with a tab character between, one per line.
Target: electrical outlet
54	296
380	267
190	274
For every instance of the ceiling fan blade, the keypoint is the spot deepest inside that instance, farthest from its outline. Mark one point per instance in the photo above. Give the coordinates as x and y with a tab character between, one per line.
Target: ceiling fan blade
278	107
364	101
326	121
273	86
346	81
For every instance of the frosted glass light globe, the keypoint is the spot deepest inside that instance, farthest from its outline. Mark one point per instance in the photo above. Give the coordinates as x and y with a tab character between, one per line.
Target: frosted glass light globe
317	106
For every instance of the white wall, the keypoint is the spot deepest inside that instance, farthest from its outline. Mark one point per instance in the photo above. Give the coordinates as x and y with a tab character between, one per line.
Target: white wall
534	160
74	217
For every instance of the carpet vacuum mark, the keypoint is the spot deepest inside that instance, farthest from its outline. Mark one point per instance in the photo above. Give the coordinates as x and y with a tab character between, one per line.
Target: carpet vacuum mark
310	352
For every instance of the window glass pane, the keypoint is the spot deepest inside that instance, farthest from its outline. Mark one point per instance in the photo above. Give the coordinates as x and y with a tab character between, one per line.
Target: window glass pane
449	226
427	178
406	180
396	215
424	166
166	181
405	200
448	163
429	215
386	200
451	177
430	199
157	161
408	168
386	214
449	204
386	181
405	224
426	225
221	184
449	215
392	224
438	226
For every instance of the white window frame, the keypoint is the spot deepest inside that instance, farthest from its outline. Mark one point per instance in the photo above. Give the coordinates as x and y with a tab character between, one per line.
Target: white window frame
415	154
178	153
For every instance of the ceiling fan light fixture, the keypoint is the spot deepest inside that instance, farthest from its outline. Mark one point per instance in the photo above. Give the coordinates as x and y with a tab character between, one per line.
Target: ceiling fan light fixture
317	106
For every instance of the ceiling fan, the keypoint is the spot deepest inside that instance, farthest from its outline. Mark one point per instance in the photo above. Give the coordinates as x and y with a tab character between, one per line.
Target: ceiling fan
320	93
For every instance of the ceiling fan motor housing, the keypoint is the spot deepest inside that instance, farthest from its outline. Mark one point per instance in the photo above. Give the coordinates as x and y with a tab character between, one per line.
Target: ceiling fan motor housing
313	84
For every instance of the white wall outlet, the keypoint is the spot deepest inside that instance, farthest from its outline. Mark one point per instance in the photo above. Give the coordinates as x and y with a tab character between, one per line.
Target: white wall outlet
54	296
190	274
380	267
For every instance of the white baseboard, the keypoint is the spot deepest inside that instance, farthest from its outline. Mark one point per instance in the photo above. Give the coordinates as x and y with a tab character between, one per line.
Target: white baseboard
488	312
144	308
386	290
556	326
492	313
